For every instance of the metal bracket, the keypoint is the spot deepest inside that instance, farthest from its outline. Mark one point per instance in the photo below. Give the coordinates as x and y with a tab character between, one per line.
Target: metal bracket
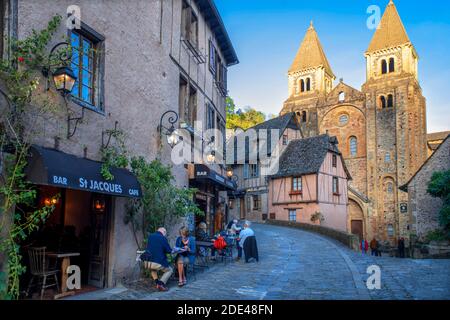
110	133
77	120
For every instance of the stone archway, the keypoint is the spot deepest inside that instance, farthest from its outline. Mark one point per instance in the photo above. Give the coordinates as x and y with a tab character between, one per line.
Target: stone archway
356	223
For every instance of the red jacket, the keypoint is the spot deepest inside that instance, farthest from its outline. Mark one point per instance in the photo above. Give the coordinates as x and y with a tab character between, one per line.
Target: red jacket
366	245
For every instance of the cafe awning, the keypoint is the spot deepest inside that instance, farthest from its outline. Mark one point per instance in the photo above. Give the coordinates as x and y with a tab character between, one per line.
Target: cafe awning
203	172
55	168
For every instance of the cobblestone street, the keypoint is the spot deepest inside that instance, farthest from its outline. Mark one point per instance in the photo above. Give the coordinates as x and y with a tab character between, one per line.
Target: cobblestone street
296	264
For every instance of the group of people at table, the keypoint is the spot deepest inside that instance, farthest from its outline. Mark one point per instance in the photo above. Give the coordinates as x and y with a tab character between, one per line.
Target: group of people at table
158	249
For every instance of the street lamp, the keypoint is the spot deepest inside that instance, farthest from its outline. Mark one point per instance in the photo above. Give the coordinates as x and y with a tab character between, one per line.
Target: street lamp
229	172
172	135
211	157
63	76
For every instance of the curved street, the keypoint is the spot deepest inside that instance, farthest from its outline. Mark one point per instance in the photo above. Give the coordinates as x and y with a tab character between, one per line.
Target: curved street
295	264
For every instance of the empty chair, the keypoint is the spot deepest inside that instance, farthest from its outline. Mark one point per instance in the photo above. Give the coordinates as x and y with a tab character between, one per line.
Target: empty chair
39	269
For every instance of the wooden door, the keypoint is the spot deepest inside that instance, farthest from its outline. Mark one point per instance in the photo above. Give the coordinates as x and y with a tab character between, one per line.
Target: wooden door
357	228
98	253
242	207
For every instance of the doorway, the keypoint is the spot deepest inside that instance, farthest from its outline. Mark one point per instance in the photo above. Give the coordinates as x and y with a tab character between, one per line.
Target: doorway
357	228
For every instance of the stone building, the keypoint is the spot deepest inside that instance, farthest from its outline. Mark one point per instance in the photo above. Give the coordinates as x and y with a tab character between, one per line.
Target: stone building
311	184
147	57
251	199
381	128
423	209
434	140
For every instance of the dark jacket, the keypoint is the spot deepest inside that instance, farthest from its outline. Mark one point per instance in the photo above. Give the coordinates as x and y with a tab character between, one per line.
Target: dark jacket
250	248
191	245
202	235
157	248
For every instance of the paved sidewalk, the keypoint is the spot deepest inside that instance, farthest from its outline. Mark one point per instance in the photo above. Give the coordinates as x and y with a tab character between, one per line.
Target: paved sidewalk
295	264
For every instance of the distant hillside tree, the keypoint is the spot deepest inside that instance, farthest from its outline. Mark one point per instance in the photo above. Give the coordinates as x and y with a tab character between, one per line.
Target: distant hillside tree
245	119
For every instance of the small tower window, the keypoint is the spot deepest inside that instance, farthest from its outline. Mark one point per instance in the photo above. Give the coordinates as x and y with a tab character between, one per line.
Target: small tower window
390	187
343	119
353	146
308	84
303	116
302	85
383	66
387	157
383	102
341	96
391	65
390	101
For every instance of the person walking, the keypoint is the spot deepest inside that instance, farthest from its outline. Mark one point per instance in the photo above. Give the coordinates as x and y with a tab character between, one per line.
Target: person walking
374	247
155	258
401	247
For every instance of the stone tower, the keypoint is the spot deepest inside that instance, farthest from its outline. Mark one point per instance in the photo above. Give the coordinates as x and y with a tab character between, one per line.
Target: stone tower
310	80
396	124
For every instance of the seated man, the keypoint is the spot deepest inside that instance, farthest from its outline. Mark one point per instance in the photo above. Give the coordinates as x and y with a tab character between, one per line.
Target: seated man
157	249
202	235
244	234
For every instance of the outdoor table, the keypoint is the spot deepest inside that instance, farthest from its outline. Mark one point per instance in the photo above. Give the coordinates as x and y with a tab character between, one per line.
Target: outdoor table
65	256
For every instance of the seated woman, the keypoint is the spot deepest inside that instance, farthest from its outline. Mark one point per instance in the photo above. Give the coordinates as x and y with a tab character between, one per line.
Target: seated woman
202	235
186	242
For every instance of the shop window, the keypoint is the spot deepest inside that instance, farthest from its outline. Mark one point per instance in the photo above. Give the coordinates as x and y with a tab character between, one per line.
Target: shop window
87	63
292	215
335	185
353	146
296	184
343	120
256	202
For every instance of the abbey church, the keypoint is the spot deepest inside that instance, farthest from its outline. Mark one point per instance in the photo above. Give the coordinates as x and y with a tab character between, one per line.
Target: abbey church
381	128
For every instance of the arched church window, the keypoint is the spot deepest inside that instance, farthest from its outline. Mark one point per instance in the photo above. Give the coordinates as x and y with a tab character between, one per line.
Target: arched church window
341	96
343	119
308	84
390	101
390	187
383	102
302	85
391	65
383	66
353	146
303	116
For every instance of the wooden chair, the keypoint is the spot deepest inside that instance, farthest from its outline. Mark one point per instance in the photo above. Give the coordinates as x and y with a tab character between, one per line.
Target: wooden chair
39	269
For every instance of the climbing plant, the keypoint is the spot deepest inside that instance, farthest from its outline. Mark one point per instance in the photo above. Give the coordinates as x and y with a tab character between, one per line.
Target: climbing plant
20	80
114	154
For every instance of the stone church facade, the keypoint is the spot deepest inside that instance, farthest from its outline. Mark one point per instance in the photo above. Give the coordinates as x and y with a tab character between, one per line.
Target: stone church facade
381	128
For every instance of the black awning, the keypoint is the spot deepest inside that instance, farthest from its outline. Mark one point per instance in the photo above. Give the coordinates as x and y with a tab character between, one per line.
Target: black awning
55	168
202	172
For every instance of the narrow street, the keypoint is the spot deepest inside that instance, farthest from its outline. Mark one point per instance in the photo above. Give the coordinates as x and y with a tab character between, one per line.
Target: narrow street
296	264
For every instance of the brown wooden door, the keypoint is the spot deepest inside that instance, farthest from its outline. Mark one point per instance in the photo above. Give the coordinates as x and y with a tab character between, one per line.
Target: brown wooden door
242	207
357	228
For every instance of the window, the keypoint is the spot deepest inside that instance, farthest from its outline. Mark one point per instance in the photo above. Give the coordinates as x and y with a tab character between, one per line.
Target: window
341	96
285	140
212	57
391	65
390	230
246	172
335	185
353	146
189	24
308	84
303	116
292	215
390	101
387	157
389	187
382	102
85	64
256	202
254	171
302	85
187	102
210	115
343	120
383	66
221	127
334	161
249	204
296	184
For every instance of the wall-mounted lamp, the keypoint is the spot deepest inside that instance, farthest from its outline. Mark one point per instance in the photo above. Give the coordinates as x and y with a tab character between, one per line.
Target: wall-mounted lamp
172	135
63	75
229	172
211	157
99	205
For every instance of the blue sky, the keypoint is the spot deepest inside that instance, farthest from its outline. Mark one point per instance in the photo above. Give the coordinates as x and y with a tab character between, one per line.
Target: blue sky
267	33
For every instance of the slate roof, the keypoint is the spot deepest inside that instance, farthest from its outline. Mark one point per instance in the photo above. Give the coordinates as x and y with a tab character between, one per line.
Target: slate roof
305	156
